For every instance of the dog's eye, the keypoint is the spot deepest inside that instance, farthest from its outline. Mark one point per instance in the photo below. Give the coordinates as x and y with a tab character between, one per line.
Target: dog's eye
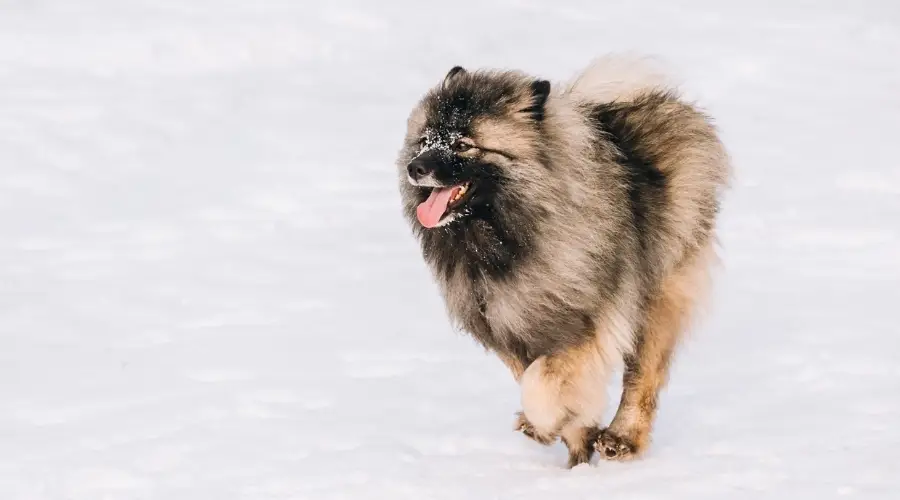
461	146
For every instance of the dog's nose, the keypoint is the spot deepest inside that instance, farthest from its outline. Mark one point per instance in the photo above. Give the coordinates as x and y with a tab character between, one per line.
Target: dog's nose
417	169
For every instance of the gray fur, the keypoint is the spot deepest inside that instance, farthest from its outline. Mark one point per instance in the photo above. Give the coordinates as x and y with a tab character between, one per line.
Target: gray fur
600	191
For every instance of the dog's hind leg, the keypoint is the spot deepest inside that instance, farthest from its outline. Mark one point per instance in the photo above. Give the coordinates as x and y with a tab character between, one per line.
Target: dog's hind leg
580	439
646	369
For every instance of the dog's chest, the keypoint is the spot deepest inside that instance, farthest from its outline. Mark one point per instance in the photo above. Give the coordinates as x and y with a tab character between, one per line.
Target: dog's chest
493	312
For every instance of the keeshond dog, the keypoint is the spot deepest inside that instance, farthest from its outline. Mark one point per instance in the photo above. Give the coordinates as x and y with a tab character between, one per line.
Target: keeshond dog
570	229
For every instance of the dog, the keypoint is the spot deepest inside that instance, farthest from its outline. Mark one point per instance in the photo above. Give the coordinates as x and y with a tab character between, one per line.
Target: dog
571	231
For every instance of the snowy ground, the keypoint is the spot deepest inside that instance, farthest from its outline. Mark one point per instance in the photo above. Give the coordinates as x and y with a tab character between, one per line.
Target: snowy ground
207	291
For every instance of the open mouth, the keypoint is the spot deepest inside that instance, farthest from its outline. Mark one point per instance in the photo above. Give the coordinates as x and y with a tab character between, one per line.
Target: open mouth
444	204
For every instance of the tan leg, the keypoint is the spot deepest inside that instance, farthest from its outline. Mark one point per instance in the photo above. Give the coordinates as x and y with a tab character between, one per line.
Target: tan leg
580	439
645	374
646	370
563	395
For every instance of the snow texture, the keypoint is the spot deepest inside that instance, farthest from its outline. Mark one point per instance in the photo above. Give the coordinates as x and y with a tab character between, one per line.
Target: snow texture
208	291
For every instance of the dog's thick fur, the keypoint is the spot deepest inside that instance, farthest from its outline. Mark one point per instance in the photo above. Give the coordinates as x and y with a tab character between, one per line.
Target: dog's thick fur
587	243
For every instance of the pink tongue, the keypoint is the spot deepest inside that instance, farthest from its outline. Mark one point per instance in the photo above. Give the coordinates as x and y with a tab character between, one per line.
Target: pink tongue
431	210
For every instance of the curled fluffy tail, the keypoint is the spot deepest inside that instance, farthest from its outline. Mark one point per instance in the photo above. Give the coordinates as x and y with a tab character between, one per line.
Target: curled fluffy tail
619	77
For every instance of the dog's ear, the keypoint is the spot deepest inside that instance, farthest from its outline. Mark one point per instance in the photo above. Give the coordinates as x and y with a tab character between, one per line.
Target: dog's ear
454	72
540	91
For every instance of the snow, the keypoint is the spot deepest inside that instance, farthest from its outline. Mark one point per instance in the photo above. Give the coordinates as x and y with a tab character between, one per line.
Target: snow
208	291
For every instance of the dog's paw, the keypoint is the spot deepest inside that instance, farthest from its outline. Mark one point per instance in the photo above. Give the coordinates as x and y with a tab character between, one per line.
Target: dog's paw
524	426
579	457
613	447
580	443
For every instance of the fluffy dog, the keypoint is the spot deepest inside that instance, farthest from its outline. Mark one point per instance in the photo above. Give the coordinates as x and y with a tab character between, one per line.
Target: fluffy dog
570	229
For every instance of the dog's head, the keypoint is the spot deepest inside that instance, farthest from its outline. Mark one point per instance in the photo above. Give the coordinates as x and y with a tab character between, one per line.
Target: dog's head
474	148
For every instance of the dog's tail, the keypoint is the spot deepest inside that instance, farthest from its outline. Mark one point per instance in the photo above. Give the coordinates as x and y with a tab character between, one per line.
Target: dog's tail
619	77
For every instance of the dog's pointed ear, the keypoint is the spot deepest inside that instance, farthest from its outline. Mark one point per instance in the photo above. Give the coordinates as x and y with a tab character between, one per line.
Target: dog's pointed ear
454	72
540	91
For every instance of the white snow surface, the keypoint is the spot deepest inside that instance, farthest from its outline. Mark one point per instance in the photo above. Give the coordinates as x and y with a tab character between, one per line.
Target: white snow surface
208	291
